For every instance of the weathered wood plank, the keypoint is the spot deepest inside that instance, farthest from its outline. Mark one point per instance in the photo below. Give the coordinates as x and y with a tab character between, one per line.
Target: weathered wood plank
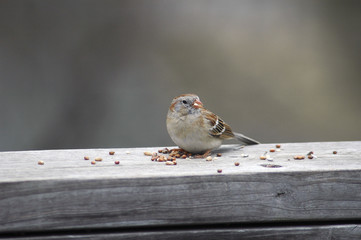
70	193
69	164
339	232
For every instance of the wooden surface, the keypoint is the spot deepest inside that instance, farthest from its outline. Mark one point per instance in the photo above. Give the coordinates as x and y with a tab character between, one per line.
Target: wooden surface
68	193
339	232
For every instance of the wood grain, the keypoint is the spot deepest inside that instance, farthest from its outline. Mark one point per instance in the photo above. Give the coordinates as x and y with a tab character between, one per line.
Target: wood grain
68	193
339	232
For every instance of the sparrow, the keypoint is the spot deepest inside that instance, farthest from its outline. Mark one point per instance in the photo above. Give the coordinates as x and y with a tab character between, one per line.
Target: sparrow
196	129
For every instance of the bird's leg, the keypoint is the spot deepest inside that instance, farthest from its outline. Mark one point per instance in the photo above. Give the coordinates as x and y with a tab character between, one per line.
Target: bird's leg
204	155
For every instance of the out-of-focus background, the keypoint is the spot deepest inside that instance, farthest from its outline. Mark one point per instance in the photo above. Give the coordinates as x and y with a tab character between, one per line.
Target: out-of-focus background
90	74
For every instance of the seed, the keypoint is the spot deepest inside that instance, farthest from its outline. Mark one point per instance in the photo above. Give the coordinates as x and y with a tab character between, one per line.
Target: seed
98	159
165	150
169	163
177	155
160	151
219	170
41	162
93	162
310	156
236	164
162	158
116	162
219	154
86	158
209	158
272	150
263	157
334	152
278	146
184	156
299	157
147	153
111	153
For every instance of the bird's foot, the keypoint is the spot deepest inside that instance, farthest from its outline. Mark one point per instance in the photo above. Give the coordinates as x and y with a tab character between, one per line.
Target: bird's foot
204	155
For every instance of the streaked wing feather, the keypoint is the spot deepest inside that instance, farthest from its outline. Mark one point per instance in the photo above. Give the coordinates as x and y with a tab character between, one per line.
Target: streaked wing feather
218	127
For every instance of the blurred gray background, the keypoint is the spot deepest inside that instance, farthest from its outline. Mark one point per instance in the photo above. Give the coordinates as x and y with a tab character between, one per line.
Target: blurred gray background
93	74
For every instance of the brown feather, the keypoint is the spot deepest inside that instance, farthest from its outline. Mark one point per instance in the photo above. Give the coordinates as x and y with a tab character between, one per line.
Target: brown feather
218	128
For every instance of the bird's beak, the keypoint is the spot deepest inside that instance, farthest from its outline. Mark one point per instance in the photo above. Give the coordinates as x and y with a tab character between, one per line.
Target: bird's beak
197	104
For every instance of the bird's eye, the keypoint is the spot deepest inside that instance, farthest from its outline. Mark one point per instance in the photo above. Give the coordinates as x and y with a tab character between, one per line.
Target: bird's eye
184	102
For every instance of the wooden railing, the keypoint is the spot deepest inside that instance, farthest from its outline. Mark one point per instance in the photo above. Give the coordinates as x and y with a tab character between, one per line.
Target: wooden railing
56	194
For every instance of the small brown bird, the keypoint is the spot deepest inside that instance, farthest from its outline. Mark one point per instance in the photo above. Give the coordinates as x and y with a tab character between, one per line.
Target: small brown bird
196	129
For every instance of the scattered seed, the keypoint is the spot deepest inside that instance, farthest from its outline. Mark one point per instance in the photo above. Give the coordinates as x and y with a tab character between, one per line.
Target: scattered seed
236	164
41	162
93	162
98	159
334	152
278	145
299	157
310	157
86	158
164	150
272	150
111	153
116	162
169	163
219	170
262	157
147	153
310	153
184	156
209	158
162	158
219	154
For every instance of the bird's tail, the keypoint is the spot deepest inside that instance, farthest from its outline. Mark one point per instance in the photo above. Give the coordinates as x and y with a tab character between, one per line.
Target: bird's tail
244	139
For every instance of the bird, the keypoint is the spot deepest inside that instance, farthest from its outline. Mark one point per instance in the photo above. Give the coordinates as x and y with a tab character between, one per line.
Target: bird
197	130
